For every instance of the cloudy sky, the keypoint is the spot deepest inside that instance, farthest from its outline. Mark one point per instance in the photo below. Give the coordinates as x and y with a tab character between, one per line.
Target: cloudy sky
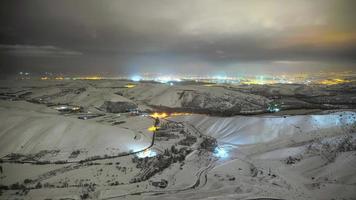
185	36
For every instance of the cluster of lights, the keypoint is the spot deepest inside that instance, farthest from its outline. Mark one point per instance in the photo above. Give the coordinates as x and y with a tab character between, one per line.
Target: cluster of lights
179	114
24	73
165	115
167	79
160	79
88	78
333	81
274	107
44	78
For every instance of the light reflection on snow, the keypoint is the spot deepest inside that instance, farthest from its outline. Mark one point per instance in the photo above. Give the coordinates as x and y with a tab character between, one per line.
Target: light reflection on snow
337	119
220	152
146	153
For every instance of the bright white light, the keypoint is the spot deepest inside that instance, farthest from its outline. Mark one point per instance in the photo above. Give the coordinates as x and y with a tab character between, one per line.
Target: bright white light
220	77
166	79
220	152
136	78
60	107
146	153
163	79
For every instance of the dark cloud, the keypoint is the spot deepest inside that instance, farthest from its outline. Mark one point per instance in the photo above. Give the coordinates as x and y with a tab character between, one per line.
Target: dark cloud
128	36
37	51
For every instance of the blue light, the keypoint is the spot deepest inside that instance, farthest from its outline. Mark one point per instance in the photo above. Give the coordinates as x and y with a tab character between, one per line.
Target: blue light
136	78
220	77
220	152
146	153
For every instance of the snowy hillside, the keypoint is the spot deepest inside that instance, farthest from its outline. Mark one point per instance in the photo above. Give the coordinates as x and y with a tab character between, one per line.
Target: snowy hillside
95	139
197	98
24	131
251	130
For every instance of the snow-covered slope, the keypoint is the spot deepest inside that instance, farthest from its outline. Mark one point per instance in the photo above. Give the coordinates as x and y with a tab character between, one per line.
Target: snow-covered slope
250	130
197	98
26	131
80	93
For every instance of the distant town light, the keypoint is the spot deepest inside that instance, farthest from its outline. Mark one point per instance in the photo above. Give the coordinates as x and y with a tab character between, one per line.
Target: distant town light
167	79
179	114
130	85
333	81
88	78
274	107
220	77
136	78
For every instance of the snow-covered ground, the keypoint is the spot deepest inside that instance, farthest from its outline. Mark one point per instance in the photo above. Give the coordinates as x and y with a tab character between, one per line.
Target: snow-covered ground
311	156
252	130
25	131
93	153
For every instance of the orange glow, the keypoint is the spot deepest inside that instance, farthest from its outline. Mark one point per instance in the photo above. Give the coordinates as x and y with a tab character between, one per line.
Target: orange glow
130	86
258	82
165	115
321	38
333	81
44	78
88	78
179	114
159	115
153	128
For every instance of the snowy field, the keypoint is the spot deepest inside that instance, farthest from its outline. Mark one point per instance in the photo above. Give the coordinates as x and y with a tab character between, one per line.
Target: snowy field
97	140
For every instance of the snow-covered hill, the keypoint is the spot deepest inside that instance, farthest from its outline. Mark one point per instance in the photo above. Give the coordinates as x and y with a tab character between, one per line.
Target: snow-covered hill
30	129
251	130
196	98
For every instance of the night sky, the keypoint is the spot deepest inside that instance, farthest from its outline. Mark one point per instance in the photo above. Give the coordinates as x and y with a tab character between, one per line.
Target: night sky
199	37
